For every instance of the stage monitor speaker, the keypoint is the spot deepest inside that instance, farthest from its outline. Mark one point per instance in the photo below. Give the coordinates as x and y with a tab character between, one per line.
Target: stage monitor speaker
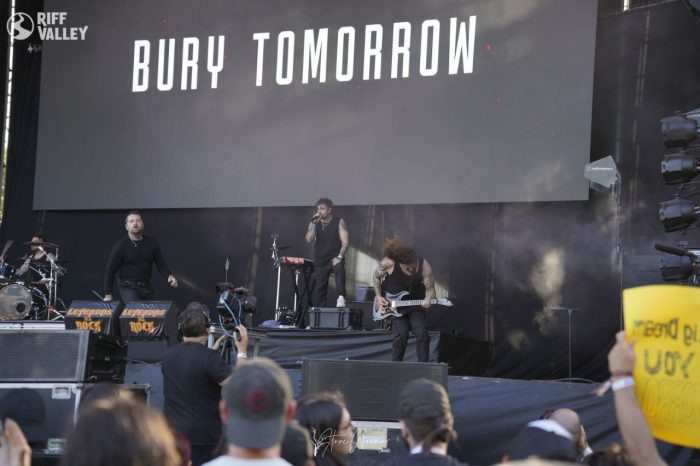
149	321
371	388
68	356
96	316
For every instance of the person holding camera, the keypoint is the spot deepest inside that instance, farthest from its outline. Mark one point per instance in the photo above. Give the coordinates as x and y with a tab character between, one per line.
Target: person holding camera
193	375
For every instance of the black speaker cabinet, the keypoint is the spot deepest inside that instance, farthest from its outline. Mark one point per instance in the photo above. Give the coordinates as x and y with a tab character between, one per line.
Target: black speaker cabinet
335	318
68	356
371	388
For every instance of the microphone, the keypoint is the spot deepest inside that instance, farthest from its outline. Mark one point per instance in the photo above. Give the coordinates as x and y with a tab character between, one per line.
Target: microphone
674	251
314	218
226	264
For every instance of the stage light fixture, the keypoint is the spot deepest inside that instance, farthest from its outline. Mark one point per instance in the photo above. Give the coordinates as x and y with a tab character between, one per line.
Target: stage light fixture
678	214
674	268
680	130
680	167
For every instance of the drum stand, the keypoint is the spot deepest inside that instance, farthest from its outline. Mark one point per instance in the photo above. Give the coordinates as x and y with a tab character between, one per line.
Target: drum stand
53	287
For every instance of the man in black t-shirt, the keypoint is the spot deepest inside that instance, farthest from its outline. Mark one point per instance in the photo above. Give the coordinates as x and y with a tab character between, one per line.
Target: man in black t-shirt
192	379
133	257
401	270
331	240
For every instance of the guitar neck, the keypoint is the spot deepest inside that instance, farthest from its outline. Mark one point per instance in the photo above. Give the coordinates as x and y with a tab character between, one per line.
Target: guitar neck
414	302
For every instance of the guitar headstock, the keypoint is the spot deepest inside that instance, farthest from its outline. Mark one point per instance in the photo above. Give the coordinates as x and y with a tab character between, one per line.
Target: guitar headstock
444	302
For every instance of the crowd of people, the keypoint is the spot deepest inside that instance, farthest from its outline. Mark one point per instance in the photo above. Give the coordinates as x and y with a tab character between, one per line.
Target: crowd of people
261	424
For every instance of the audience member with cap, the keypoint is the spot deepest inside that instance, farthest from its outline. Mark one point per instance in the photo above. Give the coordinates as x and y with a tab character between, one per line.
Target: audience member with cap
330	426
427	424
26	407
193	375
256	407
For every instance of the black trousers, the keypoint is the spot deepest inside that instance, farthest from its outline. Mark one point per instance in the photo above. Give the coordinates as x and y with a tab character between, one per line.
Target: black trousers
413	320
322	273
131	291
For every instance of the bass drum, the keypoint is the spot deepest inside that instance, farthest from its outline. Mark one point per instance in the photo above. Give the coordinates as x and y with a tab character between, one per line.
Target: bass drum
15	302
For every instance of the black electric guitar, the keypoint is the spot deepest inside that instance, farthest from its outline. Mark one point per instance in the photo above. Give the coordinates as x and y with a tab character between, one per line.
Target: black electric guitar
395	303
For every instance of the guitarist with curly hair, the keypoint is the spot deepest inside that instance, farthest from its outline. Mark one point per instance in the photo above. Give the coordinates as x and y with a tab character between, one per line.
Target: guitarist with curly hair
403	275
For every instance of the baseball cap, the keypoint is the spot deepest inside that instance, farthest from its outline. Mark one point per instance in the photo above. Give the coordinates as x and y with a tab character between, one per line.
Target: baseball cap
27	408
423	399
257	396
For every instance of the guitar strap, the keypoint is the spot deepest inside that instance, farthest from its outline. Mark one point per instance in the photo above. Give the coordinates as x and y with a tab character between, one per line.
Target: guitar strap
417	278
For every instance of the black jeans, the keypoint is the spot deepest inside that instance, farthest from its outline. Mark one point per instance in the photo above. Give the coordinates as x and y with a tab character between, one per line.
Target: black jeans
322	273
413	320
135	291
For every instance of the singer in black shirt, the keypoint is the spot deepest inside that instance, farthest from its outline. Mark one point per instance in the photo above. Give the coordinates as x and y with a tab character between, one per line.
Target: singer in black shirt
133	257
331	240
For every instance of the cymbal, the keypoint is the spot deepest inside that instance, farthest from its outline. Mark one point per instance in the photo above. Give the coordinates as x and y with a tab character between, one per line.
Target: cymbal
42	261
43	244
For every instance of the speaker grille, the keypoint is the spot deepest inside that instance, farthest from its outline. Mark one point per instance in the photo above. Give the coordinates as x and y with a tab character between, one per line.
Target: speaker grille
371	388
43	356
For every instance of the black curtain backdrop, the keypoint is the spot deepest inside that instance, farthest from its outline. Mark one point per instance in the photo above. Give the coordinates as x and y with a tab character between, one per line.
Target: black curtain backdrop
503	265
19	222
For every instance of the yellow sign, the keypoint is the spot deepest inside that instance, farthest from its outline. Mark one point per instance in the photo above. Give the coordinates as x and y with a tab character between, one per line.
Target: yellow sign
665	322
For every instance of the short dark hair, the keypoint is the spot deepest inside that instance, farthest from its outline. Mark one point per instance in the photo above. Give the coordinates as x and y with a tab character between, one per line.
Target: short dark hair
324	201
38	235
194	320
398	251
297	448
133	212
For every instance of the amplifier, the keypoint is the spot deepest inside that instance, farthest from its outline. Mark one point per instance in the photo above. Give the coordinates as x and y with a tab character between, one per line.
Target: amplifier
67	356
335	318
95	316
370	388
149	321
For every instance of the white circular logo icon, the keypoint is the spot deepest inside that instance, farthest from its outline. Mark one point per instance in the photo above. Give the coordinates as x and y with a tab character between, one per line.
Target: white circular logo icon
20	26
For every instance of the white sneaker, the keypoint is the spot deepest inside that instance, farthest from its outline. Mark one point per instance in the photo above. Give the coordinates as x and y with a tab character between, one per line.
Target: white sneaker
340	302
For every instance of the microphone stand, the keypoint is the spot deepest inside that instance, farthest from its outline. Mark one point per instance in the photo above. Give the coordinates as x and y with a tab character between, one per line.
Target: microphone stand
568	310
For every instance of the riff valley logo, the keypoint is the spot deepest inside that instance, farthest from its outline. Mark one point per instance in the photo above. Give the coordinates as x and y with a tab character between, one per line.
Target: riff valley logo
50	25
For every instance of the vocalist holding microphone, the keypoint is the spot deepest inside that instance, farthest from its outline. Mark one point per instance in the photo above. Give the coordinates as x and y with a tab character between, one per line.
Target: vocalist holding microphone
331	241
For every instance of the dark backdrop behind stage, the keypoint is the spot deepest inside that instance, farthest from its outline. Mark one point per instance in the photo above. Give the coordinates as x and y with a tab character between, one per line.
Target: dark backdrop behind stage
502	264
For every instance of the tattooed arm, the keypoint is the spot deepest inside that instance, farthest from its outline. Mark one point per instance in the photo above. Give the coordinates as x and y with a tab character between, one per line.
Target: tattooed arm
383	269
429	283
344	241
311	232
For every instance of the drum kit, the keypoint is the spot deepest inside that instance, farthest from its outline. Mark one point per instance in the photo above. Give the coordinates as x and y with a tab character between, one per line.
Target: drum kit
29	289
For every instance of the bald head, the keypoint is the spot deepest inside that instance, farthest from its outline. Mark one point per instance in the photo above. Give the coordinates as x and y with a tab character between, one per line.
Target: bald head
569	420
